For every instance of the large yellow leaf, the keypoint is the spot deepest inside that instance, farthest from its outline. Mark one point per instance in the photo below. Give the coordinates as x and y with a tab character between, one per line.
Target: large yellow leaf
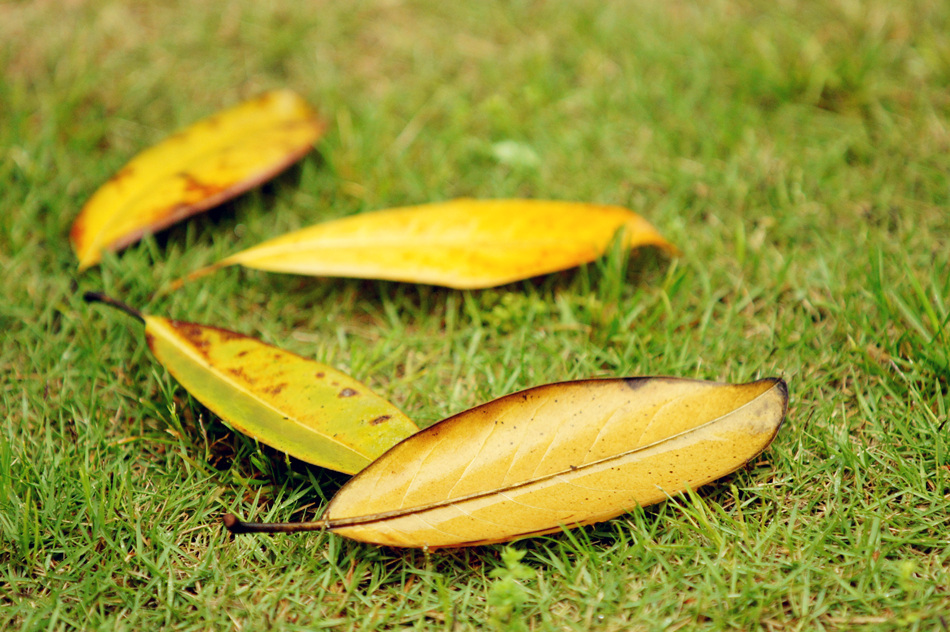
461	244
200	167
304	408
555	456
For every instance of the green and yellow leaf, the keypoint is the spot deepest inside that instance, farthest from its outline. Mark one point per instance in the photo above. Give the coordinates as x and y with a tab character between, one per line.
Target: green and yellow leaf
304	408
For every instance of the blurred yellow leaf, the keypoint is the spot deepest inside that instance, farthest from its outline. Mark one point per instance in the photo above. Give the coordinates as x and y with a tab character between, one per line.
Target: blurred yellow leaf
551	457
200	167
307	409
463	244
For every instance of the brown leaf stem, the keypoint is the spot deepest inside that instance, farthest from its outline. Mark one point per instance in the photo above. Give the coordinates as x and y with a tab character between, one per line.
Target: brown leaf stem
197	274
99	297
234	525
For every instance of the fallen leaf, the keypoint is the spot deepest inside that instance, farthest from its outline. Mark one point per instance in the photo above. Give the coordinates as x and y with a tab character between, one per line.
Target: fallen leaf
551	457
307	409
463	244
214	160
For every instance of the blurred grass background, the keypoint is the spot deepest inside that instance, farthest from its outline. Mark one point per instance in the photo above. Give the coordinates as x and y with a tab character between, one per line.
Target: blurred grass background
797	152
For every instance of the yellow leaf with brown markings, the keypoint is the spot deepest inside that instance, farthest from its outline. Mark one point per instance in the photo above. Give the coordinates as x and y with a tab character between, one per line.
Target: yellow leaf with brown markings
464	244
551	457
305	408
198	168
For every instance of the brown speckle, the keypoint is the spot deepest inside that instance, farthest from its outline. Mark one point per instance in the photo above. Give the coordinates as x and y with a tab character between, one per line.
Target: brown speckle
77	232
227	336
240	374
633	383
380	419
204	189
347	392
122	174
193	334
275	389
199	335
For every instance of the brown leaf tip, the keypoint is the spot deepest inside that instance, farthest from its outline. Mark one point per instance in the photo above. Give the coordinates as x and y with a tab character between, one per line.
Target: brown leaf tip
76	233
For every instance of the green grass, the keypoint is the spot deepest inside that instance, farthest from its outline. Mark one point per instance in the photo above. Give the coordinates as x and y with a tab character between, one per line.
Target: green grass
797	152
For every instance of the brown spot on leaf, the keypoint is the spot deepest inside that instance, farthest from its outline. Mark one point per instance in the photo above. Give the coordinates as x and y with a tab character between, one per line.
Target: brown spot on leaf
633	383
239	373
123	174
347	392
192	184
194	334
227	336
77	232
321	375
275	389
199	335
381	419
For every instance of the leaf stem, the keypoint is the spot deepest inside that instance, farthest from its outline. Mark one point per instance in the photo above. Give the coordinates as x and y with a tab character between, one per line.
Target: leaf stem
234	525
99	297
197	274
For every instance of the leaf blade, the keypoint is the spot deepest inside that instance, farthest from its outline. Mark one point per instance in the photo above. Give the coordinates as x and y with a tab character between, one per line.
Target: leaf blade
209	162
580	486
462	244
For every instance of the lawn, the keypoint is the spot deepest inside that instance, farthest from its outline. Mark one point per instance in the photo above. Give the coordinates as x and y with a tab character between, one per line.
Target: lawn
796	152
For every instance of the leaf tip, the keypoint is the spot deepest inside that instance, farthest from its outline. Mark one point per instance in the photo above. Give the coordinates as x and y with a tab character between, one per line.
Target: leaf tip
780	385
86	251
670	248
87	257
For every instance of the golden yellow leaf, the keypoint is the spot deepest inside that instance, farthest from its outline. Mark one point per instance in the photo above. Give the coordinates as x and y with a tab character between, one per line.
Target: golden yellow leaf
200	167
462	244
304	408
551	457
